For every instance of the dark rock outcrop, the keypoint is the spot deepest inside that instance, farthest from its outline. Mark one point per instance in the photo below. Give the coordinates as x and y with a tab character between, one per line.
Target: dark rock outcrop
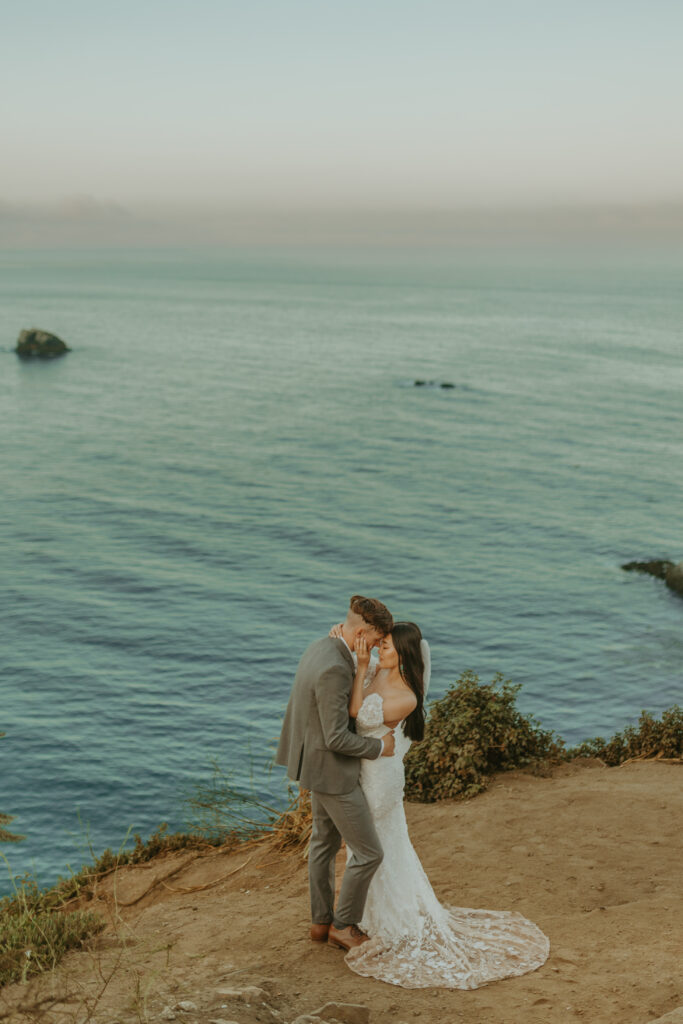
37	344
670	572
674	578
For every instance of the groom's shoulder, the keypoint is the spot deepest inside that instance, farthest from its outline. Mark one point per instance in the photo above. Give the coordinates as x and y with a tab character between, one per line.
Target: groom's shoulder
325	651
324	646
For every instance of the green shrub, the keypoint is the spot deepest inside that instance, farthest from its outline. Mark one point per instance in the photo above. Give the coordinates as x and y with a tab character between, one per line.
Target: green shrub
472	732
655	738
35	934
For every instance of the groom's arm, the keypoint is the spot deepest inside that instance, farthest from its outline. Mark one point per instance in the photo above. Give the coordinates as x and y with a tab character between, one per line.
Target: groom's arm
332	697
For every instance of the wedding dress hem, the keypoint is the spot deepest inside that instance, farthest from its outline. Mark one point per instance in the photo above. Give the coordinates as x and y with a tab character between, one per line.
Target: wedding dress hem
415	941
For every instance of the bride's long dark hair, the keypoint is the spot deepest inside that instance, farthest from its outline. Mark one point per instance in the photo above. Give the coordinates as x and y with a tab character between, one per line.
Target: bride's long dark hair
406	638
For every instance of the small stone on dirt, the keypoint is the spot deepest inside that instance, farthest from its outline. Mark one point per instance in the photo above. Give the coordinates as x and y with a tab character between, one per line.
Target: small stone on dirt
248	994
345	1013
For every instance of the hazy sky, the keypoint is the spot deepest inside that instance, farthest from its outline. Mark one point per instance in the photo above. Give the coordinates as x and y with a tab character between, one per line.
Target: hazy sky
381	102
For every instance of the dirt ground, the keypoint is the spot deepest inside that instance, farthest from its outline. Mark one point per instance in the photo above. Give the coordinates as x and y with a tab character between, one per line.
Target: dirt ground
593	855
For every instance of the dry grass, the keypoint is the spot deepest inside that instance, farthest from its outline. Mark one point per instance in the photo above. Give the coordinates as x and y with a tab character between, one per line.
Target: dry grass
292	830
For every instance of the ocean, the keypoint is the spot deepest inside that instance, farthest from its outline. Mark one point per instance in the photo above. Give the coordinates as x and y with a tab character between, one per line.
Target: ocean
236	445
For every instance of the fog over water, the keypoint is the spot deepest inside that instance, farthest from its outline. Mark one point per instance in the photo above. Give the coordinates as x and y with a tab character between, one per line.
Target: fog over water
431	105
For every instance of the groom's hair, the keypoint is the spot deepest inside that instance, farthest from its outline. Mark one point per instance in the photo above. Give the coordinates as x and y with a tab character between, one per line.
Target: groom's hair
373	612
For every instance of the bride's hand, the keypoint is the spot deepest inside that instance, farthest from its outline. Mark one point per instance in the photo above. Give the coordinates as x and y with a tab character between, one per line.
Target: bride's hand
336	632
362	651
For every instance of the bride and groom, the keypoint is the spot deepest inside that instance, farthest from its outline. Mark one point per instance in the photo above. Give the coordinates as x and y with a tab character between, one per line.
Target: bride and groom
349	723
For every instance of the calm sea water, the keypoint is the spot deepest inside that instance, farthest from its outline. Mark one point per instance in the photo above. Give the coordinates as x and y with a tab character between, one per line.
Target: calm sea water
234	447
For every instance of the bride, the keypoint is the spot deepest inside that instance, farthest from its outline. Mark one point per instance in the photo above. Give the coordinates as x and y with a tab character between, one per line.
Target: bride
415	941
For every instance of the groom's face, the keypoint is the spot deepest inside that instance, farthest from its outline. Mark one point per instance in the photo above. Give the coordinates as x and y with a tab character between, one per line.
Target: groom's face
372	637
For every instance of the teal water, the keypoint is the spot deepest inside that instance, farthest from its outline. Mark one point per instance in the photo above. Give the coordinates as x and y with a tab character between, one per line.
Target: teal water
234	447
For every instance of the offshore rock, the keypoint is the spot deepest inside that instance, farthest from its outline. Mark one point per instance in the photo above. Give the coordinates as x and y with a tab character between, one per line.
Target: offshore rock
674	578
37	344
670	572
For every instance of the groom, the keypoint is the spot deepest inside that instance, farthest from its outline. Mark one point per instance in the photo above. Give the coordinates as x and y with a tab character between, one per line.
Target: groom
320	750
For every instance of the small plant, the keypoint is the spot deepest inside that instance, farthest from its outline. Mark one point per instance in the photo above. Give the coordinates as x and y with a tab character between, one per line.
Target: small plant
472	732
652	738
292	829
223	815
35	933
5	836
160	841
219	812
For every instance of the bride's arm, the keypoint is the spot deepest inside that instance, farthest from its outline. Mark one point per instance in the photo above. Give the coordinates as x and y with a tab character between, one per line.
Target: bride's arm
363	655
363	659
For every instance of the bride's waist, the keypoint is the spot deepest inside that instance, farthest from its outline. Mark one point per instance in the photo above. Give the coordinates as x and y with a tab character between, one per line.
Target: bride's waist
378	733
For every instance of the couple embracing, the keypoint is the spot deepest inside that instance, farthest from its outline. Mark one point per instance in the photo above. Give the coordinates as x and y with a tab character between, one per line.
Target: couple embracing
349	723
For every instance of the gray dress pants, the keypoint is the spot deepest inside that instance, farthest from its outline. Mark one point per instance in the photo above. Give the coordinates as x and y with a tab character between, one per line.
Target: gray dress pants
337	816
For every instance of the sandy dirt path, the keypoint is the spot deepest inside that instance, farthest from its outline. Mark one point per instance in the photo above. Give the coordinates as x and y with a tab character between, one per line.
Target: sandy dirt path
593	855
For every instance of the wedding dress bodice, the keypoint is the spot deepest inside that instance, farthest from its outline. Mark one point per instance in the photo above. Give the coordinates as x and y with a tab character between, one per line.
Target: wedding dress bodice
415	942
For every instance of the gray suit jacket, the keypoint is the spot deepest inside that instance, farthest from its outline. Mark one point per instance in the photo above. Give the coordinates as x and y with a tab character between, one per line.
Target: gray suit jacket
317	745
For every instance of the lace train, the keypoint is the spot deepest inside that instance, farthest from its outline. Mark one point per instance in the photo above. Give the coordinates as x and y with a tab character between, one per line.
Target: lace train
415	941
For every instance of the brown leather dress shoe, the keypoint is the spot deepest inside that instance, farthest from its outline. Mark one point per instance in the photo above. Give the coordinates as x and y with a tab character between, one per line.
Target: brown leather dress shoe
319	932
346	938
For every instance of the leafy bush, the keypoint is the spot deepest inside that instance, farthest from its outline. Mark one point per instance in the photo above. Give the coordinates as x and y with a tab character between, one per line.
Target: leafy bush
472	732
653	738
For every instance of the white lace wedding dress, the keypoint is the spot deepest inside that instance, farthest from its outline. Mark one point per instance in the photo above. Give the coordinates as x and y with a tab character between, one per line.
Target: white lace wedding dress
416	942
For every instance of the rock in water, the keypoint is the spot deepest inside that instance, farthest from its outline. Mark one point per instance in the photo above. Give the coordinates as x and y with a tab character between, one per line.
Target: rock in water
674	578
40	344
670	572
656	567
